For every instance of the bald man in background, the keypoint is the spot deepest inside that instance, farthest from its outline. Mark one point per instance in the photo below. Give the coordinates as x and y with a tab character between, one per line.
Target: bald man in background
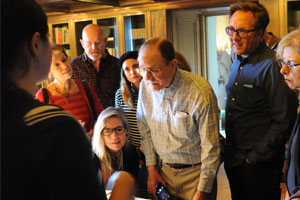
96	65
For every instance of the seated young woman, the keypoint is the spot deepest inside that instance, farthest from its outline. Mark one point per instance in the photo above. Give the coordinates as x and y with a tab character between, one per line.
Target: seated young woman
68	93
110	144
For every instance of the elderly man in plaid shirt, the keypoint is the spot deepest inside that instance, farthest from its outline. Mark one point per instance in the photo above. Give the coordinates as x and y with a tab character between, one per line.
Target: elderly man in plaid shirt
178	119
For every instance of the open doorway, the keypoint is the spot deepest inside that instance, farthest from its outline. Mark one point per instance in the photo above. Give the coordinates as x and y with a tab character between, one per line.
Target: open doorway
200	36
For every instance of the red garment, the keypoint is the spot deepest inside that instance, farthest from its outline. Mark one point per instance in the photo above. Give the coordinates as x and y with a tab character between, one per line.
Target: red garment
80	109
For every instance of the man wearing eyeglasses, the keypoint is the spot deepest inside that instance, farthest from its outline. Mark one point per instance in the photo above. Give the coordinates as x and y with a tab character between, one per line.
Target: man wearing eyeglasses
96	65
177	117
260	109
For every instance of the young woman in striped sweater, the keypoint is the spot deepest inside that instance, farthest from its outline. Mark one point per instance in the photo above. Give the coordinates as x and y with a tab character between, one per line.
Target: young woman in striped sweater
126	98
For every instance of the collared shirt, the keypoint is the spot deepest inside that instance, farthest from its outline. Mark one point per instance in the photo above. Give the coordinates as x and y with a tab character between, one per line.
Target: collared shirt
105	82
180	123
260	109
130	113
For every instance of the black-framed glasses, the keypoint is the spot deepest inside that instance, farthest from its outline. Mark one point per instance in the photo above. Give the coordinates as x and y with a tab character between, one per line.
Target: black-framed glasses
240	32
289	65
109	131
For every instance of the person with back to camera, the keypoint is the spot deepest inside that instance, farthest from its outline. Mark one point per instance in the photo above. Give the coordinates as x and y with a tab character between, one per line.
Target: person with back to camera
70	94
110	144
96	65
288	53
177	117
45	150
260	109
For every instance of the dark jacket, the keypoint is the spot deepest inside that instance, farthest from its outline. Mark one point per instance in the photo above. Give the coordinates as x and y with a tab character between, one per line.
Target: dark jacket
296	155
45	152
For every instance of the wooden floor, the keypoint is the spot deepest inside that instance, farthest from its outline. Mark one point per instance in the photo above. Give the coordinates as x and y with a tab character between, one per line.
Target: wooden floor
223	186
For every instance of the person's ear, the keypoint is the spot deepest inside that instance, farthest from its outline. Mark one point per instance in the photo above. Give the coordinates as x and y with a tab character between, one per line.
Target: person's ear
82	43
261	33
36	44
174	62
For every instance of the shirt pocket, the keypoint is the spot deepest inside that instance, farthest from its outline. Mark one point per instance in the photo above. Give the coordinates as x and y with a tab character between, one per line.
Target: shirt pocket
249	96
182	124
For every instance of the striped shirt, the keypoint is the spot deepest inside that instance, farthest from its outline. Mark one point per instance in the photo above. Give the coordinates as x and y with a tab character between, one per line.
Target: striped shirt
130	113
180	123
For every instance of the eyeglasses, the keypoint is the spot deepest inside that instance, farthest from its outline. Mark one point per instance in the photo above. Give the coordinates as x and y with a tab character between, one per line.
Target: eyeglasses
109	131
153	72
97	44
240	32
289	65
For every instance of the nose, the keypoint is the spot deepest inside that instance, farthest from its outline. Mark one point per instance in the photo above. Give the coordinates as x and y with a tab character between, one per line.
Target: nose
65	65
284	70
114	134
235	36
134	71
93	45
147	75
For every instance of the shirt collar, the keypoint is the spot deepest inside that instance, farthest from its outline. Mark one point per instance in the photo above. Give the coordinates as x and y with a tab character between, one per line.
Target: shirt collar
256	54
88	60
170	91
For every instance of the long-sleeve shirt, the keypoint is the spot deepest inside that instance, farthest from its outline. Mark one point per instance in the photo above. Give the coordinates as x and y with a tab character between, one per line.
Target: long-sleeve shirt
260	109
180	123
293	159
130	113
47	155
105	82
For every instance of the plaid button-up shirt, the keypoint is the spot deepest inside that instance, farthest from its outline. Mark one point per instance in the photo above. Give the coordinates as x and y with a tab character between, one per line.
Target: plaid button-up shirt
180	123
105	82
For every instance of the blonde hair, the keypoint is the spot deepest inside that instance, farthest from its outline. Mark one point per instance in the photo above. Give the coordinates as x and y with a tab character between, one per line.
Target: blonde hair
98	145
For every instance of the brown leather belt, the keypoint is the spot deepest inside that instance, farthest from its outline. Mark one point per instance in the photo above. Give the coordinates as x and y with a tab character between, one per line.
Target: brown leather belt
182	166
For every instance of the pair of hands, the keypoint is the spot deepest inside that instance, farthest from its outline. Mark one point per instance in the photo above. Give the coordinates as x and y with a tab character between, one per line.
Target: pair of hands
154	178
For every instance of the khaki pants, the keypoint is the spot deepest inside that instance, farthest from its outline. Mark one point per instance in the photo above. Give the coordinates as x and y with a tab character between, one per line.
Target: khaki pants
183	182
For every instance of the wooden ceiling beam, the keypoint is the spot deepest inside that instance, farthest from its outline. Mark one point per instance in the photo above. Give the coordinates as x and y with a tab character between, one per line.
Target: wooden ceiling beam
100	2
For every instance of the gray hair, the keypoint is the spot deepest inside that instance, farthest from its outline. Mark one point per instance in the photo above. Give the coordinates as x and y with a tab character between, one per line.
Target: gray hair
290	40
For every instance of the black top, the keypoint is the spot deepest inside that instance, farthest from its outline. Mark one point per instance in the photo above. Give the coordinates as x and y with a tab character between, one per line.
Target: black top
105	82
130	160
45	152
293	159
260	109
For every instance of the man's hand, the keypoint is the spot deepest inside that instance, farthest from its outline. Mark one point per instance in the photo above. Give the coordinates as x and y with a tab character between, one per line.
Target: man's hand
153	179
198	195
